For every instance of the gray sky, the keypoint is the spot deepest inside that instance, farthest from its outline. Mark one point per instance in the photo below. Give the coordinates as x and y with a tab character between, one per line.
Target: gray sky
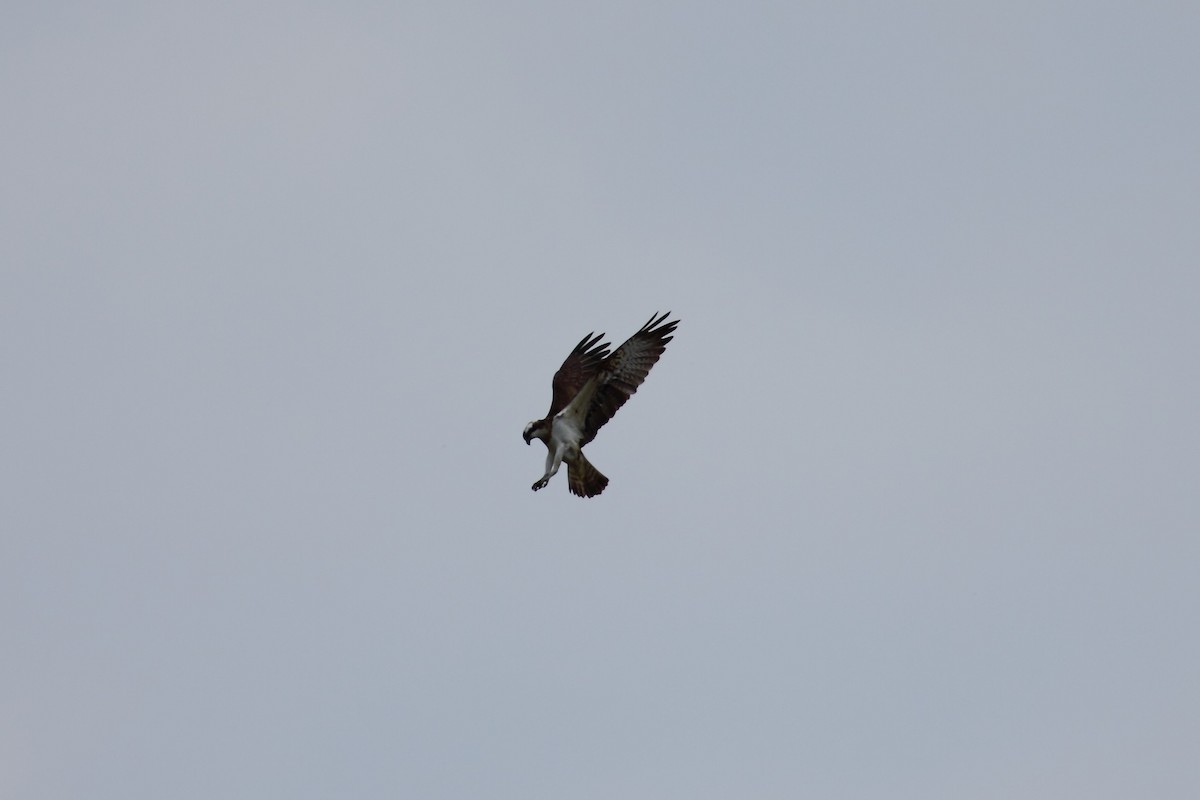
907	510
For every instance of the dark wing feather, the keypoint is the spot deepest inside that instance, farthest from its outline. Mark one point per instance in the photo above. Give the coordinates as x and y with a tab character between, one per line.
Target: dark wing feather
577	370
623	372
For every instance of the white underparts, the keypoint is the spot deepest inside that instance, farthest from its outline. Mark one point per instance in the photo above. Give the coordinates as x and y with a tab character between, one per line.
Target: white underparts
563	443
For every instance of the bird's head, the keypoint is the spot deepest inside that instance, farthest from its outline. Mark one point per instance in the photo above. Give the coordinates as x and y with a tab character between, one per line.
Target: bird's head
533	429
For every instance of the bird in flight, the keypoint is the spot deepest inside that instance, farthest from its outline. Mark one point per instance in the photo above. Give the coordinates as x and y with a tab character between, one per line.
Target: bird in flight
589	387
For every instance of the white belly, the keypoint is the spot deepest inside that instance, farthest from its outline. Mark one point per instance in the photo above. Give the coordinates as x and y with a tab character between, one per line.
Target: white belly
564	431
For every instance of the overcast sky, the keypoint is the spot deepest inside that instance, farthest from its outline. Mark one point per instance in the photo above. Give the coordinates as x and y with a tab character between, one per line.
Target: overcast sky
910	508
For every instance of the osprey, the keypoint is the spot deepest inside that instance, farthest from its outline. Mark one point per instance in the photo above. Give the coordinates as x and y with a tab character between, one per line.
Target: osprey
589	387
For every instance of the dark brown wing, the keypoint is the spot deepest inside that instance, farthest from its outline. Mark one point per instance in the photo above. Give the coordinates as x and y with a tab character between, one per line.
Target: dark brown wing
577	370
623	372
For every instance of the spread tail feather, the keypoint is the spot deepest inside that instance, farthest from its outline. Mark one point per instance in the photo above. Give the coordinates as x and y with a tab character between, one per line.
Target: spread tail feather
583	479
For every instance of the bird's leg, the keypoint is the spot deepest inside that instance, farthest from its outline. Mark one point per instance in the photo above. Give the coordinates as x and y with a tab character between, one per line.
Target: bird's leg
553	461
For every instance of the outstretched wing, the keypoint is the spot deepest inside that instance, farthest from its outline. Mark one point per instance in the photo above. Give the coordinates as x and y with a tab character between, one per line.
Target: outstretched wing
577	370
623	372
